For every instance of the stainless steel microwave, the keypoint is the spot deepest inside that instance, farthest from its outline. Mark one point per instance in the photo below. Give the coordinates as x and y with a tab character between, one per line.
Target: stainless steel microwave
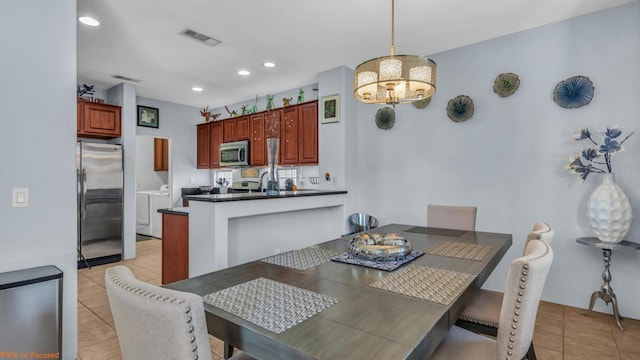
234	153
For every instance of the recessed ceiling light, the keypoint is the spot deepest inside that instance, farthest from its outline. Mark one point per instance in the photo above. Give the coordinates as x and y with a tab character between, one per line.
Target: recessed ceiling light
269	64
195	88
244	72
88	21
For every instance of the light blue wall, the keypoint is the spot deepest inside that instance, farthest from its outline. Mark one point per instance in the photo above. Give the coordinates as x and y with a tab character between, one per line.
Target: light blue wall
178	123
508	158
38	144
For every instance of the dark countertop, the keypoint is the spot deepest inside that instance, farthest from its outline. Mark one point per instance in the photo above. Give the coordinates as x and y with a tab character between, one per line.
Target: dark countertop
175	211
260	195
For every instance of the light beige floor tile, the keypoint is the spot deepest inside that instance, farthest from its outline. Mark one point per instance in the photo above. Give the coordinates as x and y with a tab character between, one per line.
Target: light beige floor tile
593	329
88	337
217	346
578	350
543	353
103	350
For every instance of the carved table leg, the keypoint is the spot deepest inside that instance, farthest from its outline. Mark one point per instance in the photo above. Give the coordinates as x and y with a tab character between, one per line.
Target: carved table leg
606	291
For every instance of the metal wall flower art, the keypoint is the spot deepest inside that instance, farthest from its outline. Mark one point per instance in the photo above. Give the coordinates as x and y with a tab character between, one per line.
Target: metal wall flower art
385	118
592	154
574	92
506	84
460	108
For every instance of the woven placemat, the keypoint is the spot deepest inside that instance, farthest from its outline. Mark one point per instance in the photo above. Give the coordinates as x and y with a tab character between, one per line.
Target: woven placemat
382	265
270	304
461	250
427	283
436	231
302	259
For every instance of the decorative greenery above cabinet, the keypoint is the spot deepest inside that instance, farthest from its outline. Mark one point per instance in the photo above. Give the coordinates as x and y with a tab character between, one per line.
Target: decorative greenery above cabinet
298	136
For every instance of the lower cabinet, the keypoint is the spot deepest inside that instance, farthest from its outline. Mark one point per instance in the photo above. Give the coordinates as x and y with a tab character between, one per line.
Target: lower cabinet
175	247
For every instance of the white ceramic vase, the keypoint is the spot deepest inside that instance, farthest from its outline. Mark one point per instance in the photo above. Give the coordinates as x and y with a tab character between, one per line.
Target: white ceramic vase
609	211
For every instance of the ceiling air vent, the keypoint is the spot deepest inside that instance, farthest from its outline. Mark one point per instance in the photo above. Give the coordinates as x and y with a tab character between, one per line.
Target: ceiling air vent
205	39
124	78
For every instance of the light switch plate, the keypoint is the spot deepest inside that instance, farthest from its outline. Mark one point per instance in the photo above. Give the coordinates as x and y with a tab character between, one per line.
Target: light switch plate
20	197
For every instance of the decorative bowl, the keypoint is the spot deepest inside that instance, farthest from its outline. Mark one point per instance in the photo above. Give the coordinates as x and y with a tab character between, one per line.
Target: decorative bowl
377	247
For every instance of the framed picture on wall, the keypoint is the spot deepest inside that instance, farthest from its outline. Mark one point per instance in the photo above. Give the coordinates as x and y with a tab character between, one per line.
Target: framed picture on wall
330	106
148	116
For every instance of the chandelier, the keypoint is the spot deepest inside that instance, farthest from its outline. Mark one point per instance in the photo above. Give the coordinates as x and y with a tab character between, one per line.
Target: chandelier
394	79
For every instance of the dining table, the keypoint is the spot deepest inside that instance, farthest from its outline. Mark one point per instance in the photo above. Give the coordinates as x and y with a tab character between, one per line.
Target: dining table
319	302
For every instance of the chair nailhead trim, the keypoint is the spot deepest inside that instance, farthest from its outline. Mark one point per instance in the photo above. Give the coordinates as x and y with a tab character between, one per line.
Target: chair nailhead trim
148	294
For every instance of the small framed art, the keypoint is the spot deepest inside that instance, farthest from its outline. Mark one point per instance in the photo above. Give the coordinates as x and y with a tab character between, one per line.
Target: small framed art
330	106
148	116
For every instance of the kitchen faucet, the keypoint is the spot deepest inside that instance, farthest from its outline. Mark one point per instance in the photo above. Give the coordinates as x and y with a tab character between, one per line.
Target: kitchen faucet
260	181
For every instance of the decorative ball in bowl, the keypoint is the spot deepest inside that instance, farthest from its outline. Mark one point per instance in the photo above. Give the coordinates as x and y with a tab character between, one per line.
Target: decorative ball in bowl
378	247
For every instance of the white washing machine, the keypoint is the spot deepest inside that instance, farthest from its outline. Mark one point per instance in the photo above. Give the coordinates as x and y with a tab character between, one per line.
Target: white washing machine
148	219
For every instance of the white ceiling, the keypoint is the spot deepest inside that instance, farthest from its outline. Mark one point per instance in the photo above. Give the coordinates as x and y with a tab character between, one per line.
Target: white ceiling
139	39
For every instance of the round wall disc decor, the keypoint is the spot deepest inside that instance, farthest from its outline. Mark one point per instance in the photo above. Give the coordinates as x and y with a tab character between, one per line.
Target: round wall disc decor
421	104
460	108
575	92
506	84
385	118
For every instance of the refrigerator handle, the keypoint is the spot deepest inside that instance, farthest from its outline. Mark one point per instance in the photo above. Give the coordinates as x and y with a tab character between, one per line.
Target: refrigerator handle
84	194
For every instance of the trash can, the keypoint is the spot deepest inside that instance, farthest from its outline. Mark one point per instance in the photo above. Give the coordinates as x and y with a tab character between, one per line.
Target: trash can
360	222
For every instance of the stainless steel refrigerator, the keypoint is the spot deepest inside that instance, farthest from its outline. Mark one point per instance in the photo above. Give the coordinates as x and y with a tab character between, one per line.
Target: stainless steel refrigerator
100	178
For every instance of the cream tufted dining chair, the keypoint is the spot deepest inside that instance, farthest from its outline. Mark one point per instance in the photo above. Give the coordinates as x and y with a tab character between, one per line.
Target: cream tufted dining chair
157	323
525	281
482	314
452	217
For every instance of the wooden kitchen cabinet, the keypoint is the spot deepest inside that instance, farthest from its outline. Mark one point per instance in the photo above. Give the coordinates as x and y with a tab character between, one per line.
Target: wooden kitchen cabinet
175	247
98	120
160	154
243	128
203	146
215	138
257	147
289	136
229	130
308	140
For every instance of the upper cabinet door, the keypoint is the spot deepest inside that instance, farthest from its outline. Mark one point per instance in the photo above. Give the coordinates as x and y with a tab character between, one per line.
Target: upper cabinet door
242	128
229	130
308	122
160	154
216	140
98	120
204	147
289	136
257	146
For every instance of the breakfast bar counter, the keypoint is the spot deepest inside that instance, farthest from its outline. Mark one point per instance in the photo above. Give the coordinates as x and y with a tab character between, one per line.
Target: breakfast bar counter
260	195
231	229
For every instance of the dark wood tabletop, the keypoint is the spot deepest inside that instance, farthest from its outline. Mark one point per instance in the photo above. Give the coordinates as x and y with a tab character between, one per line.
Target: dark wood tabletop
366	323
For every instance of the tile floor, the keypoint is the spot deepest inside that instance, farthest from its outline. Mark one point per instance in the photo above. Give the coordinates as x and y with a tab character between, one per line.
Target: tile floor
561	332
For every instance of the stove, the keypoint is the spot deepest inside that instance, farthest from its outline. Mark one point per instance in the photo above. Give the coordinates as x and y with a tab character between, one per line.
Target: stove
244	186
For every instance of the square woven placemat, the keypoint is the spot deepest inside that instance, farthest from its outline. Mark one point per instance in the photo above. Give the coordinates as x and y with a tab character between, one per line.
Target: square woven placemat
302	259
270	304
461	250
427	283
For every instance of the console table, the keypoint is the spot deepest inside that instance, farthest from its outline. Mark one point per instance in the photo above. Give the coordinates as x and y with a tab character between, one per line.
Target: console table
606	291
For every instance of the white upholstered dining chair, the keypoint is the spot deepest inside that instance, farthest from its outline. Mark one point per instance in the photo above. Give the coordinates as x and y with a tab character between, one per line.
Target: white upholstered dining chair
452	217
482	314
157	323
525	281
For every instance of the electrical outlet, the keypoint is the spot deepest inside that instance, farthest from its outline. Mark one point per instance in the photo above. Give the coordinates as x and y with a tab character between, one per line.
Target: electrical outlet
191	180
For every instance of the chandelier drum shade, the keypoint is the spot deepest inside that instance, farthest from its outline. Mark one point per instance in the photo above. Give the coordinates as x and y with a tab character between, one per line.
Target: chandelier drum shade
395	79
